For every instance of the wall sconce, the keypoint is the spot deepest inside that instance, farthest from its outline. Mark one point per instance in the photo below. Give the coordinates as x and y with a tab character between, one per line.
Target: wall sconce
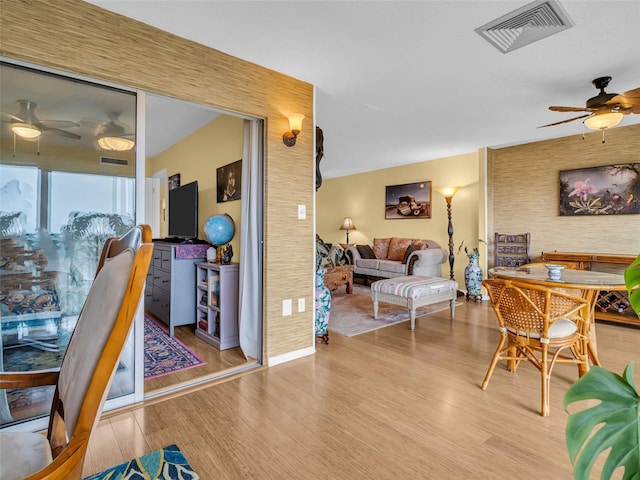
295	125
347	224
448	193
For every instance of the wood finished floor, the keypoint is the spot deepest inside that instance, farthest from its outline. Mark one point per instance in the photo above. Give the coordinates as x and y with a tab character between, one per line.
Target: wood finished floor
389	404
217	361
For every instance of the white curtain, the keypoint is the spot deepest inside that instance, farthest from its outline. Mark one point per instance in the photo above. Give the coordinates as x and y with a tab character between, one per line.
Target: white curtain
250	308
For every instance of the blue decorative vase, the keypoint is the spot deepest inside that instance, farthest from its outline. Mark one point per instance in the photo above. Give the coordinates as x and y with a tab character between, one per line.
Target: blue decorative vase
323	306
473	278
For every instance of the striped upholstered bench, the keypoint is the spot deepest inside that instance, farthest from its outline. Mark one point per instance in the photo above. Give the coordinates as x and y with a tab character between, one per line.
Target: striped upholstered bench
412	292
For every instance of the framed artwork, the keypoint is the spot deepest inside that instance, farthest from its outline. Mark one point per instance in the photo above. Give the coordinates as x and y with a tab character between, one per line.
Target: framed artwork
606	190
410	200
174	181
229	180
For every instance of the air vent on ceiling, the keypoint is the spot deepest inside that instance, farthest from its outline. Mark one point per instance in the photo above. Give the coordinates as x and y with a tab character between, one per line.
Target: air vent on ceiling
121	162
526	25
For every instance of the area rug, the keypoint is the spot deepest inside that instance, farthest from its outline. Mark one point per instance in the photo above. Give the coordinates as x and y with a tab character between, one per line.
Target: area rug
166	464
164	355
353	314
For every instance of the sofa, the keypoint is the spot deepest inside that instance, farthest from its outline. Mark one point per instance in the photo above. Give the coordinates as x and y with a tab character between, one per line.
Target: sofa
396	257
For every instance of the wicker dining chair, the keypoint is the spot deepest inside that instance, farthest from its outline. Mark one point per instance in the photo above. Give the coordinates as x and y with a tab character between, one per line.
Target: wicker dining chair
540	325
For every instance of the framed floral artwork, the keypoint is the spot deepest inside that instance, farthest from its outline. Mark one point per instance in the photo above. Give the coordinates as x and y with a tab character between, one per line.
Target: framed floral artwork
606	190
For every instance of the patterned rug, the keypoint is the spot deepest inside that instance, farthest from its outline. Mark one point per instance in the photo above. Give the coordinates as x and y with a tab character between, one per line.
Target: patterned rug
164	355
353	314
166	464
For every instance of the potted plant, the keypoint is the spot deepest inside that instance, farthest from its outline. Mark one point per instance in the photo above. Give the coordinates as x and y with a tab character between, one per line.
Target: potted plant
616	418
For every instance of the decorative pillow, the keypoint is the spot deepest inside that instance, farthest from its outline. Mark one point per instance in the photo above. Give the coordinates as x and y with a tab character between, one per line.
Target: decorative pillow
422	245
397	247
410	249
381	247
366	251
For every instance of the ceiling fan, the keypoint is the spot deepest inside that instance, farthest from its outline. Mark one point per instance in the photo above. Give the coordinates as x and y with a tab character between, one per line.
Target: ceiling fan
112	135
605	110
27	125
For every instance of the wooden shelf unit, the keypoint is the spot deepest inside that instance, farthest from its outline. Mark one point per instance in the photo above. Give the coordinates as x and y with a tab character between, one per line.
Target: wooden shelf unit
216	303
610	306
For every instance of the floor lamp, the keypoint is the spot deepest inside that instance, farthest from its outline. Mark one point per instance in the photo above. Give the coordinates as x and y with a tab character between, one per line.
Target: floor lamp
448	193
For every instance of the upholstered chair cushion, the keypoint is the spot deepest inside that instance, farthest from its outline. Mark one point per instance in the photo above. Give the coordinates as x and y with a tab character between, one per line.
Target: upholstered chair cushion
89	338
14	464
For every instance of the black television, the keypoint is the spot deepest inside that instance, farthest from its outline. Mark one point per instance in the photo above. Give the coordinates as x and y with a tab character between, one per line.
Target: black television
183	211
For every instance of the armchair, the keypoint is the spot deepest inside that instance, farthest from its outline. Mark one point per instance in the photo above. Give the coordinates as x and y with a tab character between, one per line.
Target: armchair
539	325
86	370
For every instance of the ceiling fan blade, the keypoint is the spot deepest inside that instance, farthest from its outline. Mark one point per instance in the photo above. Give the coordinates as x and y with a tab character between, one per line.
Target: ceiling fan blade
565	121
63	133
7	117
568	109
628	100
57	123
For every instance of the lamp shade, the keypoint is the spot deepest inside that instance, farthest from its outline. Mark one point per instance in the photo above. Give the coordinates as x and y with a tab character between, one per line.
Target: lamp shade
295	122
26	130
602	121
347	224
447	192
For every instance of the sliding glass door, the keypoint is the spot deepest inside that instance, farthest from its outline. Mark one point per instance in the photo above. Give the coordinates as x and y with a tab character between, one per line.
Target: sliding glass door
64	190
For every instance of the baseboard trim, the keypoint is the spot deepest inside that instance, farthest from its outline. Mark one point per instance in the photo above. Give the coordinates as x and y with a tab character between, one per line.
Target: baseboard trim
287	357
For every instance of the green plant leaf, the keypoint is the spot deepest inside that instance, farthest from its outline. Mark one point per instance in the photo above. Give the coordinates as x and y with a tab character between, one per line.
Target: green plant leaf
618	416
632	282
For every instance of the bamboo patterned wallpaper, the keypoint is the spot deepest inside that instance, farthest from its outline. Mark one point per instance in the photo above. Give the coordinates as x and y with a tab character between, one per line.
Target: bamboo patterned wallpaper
523	193
78	37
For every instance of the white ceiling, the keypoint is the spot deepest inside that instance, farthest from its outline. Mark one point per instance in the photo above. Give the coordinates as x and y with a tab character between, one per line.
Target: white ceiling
406	81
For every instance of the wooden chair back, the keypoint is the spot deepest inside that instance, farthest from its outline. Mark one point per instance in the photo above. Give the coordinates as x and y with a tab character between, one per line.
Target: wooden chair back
525	308
94	350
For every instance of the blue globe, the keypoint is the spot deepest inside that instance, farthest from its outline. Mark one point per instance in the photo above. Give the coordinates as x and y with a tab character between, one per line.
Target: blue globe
219	229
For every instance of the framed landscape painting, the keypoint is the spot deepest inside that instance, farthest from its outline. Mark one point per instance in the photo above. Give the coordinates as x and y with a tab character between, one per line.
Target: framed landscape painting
606	190
409	200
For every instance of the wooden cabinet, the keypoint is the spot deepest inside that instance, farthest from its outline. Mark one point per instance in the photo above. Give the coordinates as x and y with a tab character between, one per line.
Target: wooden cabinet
170	284
217	304
610	306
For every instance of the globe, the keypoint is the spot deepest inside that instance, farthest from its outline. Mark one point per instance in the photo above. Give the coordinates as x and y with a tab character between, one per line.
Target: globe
219	229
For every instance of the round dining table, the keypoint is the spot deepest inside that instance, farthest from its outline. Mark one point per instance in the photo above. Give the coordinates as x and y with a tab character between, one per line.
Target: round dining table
587	282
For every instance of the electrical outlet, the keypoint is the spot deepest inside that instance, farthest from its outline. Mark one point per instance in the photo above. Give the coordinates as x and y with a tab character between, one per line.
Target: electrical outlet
286	307
301	305
302	212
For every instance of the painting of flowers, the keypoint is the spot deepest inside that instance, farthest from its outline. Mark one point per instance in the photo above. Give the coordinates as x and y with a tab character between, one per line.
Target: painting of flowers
607	190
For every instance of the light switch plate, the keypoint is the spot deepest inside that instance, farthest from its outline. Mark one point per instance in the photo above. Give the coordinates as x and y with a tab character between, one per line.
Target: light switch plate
302	212
286	307
301	305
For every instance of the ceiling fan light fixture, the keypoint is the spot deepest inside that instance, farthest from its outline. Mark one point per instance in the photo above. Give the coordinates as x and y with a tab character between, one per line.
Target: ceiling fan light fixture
25	130
602	121
117	144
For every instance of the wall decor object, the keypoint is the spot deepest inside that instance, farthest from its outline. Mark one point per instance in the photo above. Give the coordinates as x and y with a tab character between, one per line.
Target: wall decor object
606	190
229	180
174	181
410	200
